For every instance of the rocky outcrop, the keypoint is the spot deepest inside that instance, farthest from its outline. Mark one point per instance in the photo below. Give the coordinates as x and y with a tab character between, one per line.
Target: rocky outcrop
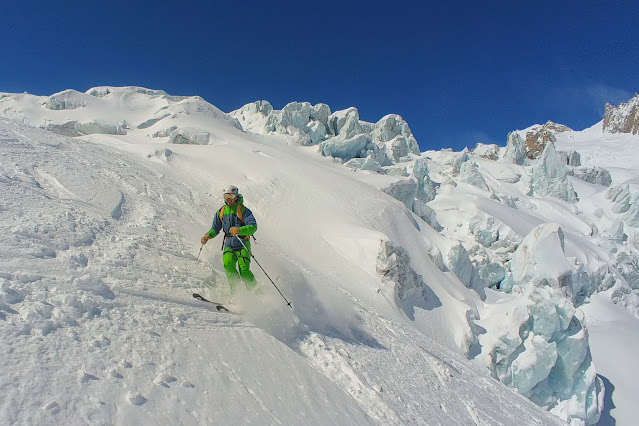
487	151
622	119
537	138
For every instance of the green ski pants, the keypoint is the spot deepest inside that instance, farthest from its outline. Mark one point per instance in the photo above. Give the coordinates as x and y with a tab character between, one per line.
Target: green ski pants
241	258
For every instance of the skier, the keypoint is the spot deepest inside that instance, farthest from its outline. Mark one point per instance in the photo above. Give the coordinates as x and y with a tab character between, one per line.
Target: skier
238	224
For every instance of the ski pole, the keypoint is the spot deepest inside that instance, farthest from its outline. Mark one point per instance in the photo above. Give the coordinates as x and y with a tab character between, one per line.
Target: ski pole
258	264
198	255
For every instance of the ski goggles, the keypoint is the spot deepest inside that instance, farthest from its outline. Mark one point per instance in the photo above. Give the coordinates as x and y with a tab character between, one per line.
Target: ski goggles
229	197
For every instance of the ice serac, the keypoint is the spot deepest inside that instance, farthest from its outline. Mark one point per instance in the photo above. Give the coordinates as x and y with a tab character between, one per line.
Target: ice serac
152	121
625	212
623	118
188	135
570	158
98	92
393	264
247	112
541	256
74	128
596	175
625	199
392	126
416	192
426	188
495	243
367	163
344	124
98	127
515	149
390	139
67	99
346	149
544	352
458	261
459	160
299	117
544	246
469	173
403	190
550	178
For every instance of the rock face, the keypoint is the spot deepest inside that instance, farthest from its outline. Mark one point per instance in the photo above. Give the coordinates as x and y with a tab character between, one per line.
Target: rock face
622	119
487	151
537	139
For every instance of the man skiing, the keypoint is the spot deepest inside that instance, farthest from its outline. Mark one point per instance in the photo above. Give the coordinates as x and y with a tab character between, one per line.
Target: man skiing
238	224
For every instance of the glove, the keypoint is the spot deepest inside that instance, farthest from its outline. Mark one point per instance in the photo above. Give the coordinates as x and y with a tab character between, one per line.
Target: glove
205	238
234	231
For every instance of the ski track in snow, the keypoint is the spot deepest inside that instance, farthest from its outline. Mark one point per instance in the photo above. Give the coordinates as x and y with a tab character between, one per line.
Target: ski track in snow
78	351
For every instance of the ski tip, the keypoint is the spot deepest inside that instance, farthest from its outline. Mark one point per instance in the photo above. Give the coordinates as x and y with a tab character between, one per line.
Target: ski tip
218	306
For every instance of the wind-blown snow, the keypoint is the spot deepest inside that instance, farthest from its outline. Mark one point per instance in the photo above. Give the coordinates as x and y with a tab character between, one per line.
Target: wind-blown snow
391	297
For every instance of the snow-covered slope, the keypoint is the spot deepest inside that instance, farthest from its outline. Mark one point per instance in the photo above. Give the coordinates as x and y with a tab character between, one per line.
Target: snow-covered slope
391	296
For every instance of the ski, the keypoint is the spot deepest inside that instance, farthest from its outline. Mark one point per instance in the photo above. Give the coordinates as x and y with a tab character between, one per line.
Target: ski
199	302
218	306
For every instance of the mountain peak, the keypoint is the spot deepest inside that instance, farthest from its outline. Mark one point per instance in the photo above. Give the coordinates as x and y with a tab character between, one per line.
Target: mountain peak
623	118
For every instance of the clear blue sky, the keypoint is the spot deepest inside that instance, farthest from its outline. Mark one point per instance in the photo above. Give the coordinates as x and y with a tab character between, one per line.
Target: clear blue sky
458	73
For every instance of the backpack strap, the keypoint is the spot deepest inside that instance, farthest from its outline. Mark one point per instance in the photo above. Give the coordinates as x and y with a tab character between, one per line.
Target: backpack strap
240	215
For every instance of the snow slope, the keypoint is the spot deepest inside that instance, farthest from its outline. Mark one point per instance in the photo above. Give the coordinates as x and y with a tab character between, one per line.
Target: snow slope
100	257
79	351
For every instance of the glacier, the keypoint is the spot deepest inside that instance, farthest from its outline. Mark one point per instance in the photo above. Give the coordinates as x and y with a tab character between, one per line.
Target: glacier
515	241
